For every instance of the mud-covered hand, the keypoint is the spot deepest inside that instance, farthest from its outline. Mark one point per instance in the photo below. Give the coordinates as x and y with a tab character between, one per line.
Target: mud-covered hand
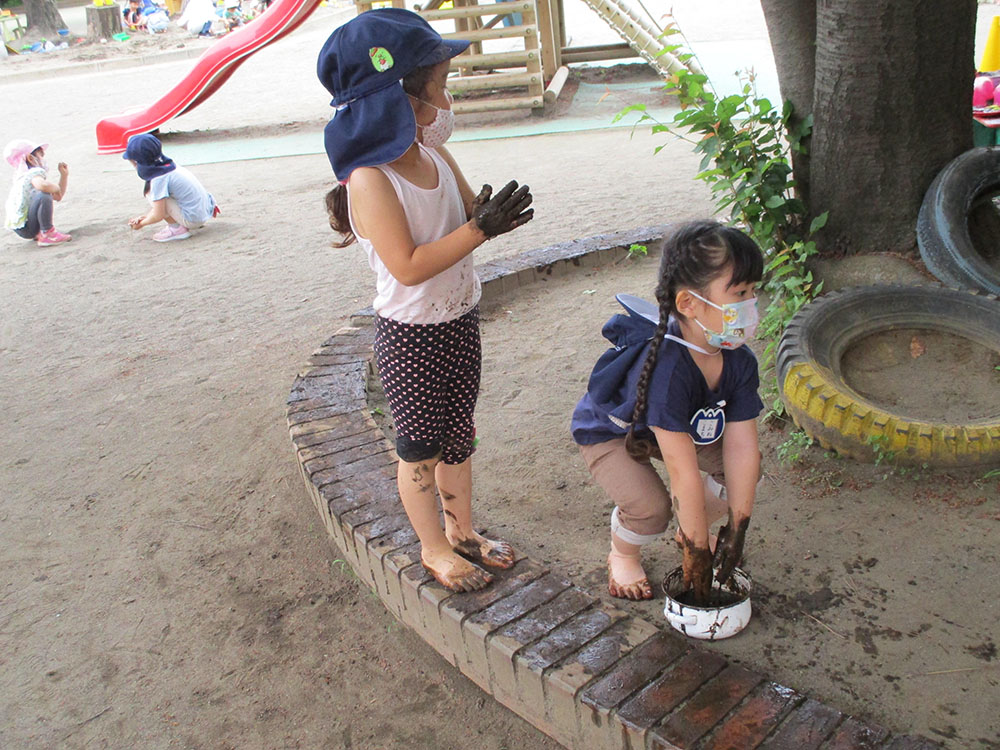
698	572
729	548
504	211
479	200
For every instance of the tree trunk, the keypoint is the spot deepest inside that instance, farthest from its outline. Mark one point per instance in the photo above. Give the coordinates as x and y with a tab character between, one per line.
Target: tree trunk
791	25
43	18
891	106
103	22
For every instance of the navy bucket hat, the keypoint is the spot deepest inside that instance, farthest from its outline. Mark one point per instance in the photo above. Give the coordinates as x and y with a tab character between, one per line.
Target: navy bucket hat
362	65
147	153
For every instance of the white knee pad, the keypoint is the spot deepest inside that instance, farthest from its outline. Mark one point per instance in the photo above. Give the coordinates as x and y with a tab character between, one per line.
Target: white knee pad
627	536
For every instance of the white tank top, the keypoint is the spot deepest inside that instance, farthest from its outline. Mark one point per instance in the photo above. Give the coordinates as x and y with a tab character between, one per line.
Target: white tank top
430	214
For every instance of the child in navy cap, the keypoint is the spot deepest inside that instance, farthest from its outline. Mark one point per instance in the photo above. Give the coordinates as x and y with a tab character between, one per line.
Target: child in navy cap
176	195
403	198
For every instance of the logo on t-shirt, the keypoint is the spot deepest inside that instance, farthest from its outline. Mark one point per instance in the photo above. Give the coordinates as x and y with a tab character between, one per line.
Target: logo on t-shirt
708	423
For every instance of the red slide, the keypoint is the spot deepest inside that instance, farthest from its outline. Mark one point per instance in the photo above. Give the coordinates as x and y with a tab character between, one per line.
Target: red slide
209	73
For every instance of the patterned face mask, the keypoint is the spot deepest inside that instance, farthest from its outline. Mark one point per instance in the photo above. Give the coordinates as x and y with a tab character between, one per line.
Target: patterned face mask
739	321
439	131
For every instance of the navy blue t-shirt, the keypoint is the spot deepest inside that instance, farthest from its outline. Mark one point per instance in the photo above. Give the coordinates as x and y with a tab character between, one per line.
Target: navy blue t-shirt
679	398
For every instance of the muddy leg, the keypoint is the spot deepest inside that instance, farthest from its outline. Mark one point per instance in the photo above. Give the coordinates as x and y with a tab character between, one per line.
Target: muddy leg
455	485
416	490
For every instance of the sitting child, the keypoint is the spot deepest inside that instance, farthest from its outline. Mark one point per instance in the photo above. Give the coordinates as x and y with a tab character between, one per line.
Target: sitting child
233	17
175	194
132	16
157	19
29	204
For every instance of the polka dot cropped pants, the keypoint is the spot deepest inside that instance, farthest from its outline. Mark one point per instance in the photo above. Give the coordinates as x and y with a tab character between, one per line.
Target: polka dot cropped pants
430	375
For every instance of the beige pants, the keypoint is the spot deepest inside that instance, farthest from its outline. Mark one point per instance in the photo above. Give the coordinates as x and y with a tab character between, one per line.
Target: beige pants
174	211
635	487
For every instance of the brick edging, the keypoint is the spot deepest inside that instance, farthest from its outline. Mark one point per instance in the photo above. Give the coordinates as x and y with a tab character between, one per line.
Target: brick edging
586	673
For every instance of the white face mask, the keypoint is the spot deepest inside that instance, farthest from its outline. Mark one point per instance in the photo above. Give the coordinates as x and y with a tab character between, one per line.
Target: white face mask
439	131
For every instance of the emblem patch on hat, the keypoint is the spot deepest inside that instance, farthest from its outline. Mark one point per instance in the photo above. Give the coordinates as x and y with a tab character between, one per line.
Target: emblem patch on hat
381	58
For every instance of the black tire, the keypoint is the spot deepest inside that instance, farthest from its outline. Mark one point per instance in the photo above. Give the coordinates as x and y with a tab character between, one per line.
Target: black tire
943	236
831	412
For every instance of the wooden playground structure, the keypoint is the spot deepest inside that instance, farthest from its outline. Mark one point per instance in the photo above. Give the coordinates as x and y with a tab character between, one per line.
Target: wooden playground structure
531	75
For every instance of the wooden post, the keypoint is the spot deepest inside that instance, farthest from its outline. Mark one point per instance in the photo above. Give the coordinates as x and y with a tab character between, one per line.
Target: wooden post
104	22
468	24
562	24
550	48
534	62
555	86
362	5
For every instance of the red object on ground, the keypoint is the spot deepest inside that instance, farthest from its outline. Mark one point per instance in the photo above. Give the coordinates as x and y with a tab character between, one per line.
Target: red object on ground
982	91
211	70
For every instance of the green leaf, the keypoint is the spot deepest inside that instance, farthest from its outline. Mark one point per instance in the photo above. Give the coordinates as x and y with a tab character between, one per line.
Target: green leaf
774	201
819	222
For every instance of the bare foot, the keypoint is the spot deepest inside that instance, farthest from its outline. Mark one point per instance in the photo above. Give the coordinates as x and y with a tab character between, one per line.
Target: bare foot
626	578
455	573
495	553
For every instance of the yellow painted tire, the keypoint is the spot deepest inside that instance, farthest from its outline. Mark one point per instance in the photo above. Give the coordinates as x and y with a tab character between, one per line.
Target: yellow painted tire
838	418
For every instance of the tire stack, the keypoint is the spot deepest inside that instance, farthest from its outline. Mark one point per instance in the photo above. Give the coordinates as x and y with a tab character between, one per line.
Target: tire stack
810	378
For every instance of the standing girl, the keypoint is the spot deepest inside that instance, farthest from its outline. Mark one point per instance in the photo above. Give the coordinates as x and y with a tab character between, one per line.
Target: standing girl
175	194
30	201
404	199
680	386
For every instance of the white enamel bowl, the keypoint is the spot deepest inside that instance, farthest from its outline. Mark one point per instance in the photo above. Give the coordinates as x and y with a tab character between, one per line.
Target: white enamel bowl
708	623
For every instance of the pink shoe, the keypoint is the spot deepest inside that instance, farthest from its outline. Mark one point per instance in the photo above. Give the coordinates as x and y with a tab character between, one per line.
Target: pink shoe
51	237
172	232
216	211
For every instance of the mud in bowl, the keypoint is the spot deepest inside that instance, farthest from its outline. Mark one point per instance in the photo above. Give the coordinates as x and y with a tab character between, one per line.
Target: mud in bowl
727	613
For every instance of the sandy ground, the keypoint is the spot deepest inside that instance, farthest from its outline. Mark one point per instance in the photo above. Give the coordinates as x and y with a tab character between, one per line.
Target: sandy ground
167	582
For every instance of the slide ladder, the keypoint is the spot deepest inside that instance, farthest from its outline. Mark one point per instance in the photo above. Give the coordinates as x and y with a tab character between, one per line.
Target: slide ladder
518	89
529	82
640	34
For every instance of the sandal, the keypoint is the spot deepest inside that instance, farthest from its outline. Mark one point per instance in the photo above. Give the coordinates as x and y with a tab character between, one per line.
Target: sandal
635	591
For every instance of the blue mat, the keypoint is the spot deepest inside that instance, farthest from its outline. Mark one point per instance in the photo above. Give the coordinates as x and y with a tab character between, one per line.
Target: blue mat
594	107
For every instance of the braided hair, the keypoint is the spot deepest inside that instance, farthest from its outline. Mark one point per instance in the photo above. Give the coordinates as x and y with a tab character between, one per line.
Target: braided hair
337	209
694	255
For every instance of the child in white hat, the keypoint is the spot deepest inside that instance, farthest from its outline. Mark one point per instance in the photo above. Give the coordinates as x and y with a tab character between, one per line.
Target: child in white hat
30	201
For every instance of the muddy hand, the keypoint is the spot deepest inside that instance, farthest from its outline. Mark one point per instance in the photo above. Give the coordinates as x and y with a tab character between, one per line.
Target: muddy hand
503	212
479	200
729	548
697	570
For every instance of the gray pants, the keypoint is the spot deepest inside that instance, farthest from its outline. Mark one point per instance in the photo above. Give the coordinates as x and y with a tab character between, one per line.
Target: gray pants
39	216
